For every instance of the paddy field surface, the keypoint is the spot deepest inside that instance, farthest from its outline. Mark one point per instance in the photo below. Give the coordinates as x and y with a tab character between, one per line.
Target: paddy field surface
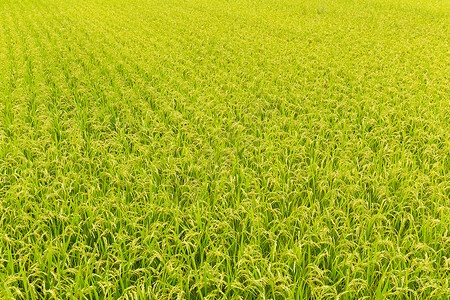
214	149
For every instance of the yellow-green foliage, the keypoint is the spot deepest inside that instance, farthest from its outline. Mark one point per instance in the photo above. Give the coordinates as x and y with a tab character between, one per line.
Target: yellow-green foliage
224	149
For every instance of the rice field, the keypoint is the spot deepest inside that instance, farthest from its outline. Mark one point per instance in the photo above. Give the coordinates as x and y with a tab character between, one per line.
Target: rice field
224	149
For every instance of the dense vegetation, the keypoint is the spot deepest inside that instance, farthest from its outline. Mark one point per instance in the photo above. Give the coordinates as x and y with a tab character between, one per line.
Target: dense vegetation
240	149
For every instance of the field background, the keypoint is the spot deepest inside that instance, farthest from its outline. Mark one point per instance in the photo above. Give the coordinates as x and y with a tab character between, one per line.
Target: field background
224	149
